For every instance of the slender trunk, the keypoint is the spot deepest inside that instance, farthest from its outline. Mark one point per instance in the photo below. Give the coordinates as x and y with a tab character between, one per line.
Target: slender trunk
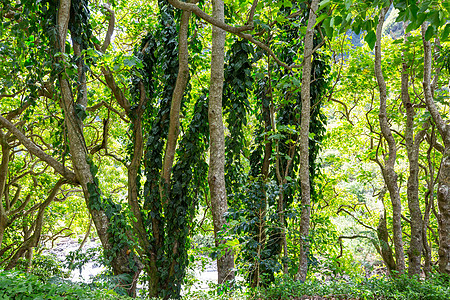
282	220
383	238
304	144
443	190
3	177
177	97
262	209
443	198
82	83
33	240
386	251
426	247
389	175
86	235
216	175
429	203
412	149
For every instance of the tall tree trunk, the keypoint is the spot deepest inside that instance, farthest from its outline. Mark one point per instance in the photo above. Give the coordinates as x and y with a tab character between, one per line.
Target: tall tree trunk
304	143
389	175
216	175
412	148
120	262
443	190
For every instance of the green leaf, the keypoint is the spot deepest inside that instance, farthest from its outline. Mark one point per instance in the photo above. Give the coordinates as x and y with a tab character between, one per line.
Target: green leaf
370	39
424	6
445	34
430	33
302	29
348	3
433	19
411	26
320	18
324	3
327	27
80	110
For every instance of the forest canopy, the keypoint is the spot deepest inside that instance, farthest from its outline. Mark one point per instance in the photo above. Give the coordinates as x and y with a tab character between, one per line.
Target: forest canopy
289	142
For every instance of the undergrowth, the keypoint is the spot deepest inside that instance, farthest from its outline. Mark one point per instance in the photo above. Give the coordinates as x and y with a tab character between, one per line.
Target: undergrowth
401	288
18	285
22	286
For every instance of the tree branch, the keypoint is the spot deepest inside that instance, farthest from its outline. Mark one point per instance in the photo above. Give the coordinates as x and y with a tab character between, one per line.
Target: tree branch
35	150
239	31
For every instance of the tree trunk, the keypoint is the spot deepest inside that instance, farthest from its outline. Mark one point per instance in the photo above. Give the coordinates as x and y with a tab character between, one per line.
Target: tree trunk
383	238
216	175
304	144
3	177
443	190
120	262
389	175
177	97
412	148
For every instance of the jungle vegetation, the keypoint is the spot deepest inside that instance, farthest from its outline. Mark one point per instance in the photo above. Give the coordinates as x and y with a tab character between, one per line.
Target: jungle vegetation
300	144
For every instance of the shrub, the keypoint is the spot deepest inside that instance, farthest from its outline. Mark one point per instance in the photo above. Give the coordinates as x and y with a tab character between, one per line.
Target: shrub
44	266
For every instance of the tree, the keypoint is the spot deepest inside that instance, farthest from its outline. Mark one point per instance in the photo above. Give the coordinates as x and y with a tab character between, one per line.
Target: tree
304	143
443	194
216	174
389	175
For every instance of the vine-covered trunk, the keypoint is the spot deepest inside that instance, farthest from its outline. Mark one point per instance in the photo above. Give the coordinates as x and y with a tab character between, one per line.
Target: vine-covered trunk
389	174
121	261
304	143
216	175
443	190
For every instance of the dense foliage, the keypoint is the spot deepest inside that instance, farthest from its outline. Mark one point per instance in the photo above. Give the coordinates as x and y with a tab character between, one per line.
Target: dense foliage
329	173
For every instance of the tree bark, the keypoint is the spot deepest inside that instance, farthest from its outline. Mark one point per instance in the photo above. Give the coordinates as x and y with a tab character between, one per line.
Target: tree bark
177	97
383	238
443	190
3	177
412	149
304	143
216	175
389	175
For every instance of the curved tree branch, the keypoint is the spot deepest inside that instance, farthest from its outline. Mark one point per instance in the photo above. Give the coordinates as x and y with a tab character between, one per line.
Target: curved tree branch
35	150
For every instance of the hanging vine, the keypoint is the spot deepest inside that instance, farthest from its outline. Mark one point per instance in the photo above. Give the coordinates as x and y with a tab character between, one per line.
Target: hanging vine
265	204
167	72
188	181
238	84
